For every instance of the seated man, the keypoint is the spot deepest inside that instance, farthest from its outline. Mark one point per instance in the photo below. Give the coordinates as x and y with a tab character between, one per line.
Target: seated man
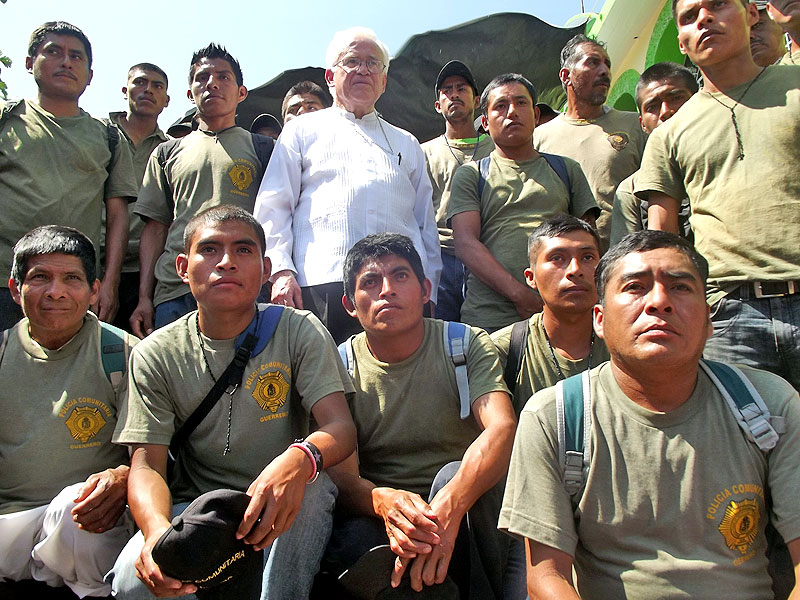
406	410
559	341
675	487
62	482
247	448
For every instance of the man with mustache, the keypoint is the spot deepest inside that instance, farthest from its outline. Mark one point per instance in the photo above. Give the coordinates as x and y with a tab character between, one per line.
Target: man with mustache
456	100
767	43
493	210
218	163
59	165
673	498
606	142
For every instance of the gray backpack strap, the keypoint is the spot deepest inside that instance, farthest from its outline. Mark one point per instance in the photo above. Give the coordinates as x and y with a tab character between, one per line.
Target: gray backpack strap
746	404
346	354
114	353
559	165
516	350
483	174
574	422
3	342
456	343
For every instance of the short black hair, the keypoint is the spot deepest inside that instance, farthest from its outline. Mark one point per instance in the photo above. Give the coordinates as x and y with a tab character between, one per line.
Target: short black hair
644	241
503	80
216	51
375	246
556	227
224	213
146	66
58	28
305	87
53	239
665	70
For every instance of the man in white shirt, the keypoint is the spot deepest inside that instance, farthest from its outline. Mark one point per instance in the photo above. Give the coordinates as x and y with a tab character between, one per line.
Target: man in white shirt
338	175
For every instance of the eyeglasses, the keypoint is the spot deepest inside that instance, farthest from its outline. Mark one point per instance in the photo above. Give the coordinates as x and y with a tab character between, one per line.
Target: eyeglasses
353	63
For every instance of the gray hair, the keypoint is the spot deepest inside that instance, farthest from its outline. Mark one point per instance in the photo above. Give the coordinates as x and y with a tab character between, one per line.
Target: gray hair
342	39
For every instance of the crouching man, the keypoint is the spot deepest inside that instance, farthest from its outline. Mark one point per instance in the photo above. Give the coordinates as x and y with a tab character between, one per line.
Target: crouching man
245	440
62	482
430	448
681	463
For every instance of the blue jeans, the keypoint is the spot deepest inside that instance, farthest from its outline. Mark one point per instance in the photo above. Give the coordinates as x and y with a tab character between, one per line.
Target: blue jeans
758	332
172	310
451	289
480	545
290	563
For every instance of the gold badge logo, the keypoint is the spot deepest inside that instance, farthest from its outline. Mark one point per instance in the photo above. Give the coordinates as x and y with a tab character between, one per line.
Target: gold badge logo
241	176
84	423
271	390
739	525
618	140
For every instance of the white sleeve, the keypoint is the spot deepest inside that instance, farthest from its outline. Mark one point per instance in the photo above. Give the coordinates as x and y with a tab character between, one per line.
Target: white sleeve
277	199
426	220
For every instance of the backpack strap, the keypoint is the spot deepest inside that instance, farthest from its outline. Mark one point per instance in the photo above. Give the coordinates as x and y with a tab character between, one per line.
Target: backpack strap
456	343
263	326
346	354
559	165
263	145
3	342
483	174
746	404
516	350
114	352
574	421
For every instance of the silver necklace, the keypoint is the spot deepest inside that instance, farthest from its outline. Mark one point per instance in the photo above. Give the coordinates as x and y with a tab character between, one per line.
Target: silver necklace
553	354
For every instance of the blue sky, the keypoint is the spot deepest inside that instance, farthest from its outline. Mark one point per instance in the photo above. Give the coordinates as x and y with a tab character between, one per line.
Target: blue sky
266	37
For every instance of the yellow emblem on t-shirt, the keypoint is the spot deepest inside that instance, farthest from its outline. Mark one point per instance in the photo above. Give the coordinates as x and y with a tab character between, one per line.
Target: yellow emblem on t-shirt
241	175
618	140
84	423
739	525
271	390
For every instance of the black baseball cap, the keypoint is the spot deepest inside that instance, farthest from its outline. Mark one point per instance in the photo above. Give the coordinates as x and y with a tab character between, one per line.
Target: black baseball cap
265	120
201	547
454	67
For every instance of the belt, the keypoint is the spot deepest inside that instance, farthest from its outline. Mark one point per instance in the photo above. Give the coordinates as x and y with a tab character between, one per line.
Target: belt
767	289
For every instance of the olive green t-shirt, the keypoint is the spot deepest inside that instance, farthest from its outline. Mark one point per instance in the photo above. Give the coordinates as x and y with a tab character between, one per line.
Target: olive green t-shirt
169	379
745	213
442	163
206	169
626	216
407	414
608	148
58	413
517	198
140	154
537	370
53	171
674	504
